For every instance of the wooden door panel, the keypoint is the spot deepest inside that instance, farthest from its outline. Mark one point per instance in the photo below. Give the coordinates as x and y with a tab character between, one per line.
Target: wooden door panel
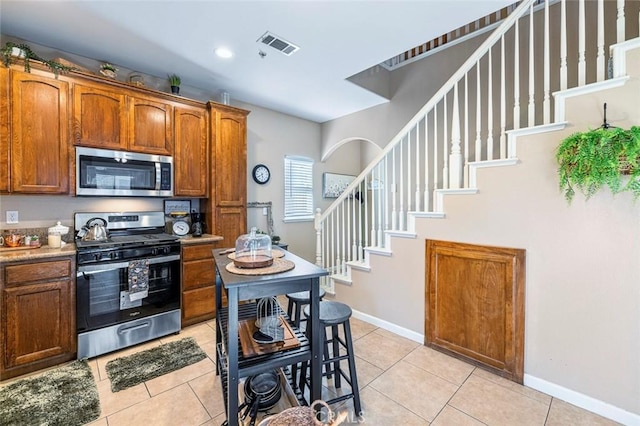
475	304
5	129
100	118
40	134
230	160
190	152
150	127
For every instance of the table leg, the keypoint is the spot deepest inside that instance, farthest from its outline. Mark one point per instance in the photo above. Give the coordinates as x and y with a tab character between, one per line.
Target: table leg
316	341
232	388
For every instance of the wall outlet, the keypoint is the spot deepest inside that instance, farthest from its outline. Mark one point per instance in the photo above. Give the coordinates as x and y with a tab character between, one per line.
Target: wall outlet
12	216
264	211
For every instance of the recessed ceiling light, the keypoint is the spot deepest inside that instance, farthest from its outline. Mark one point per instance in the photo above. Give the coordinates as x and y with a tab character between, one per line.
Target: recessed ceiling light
223	52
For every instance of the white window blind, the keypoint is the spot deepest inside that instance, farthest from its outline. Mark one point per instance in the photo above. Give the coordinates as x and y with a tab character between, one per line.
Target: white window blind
298	188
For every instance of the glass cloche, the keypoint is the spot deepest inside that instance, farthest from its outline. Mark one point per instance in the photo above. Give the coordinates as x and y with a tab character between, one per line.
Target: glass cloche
253	250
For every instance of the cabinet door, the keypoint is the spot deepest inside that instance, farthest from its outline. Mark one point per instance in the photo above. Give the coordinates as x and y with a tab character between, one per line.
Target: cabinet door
38	322
190	157
150	128
99	117
231	222
229	133
5	129
39	134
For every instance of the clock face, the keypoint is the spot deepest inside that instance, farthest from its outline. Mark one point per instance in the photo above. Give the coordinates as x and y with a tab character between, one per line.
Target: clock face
180	227
261	174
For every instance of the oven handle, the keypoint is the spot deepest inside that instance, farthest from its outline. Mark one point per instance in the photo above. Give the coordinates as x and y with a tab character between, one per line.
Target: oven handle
106	267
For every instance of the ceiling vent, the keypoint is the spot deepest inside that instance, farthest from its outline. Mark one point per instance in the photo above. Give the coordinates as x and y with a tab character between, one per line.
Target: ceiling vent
278	43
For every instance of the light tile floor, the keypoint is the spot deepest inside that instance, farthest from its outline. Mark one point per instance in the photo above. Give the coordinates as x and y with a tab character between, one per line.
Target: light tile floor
401	383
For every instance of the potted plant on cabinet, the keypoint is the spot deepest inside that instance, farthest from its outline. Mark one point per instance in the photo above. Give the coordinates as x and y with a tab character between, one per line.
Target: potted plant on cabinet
606	156
108	70
174	82
12	51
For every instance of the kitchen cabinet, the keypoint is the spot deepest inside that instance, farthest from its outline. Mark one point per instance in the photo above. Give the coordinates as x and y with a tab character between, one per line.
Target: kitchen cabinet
113	118
99	117
4	129
198	283
228	196
38	315
39	143
191	149
150	128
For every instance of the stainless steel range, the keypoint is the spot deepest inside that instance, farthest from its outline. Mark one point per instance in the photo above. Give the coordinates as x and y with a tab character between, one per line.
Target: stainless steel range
128	280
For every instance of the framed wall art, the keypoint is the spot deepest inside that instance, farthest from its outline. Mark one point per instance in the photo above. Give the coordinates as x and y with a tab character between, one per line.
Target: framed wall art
334	184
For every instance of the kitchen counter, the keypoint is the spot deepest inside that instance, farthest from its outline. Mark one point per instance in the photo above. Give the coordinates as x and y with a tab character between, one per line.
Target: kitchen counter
205	238
12	255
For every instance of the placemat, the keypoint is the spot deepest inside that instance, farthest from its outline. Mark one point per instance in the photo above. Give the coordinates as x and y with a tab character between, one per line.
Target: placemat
275	253
279	265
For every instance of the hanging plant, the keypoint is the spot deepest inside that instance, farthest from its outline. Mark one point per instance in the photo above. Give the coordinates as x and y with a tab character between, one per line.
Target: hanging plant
606	156
27	55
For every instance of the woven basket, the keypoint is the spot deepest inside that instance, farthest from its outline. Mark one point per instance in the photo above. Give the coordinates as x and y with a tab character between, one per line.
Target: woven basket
303	416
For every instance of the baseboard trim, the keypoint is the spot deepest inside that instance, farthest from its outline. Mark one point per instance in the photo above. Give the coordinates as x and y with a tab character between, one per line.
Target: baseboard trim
401	331
583	401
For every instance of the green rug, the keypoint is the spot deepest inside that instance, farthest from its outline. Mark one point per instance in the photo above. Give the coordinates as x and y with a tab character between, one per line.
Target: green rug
65	396
137	368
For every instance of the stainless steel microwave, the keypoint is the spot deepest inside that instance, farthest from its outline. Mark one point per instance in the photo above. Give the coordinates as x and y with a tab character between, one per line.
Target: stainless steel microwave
101	172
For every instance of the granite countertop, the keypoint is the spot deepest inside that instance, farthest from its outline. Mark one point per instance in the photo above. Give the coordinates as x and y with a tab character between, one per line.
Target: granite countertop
13	255
205	238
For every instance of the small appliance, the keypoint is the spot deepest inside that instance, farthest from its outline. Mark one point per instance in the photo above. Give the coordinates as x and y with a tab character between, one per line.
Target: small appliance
198	225
102	172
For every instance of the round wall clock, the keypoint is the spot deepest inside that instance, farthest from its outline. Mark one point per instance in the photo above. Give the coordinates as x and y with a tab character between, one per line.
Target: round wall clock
180	228
261	174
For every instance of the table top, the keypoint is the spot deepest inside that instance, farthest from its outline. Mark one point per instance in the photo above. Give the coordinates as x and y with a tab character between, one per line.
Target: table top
303	269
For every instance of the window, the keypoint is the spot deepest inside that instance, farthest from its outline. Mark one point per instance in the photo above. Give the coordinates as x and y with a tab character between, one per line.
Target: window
298	189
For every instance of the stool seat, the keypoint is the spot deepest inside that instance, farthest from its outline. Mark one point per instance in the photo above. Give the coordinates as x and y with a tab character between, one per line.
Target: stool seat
331	312
304	297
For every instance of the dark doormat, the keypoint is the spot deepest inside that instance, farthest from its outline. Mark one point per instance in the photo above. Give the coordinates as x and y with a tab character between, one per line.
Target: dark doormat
64	396
146	365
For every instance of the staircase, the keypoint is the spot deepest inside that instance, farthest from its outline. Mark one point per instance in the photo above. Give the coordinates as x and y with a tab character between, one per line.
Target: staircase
476	164
511	86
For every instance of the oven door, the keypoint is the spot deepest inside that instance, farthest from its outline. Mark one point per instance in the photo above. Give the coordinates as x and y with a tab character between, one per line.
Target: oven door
103	292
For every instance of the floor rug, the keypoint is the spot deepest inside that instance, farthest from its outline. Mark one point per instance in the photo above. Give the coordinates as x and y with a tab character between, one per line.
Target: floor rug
64	396
146	365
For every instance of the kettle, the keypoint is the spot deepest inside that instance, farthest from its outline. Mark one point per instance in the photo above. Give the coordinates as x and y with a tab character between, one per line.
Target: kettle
95	231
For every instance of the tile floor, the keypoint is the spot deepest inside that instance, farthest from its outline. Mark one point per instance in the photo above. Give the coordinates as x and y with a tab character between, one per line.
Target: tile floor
401	383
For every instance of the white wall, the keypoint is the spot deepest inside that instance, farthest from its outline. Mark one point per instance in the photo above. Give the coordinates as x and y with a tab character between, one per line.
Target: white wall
582	327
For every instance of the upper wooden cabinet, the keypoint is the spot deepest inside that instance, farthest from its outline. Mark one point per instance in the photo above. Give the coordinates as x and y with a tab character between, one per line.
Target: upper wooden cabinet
112	118
4	129
150	128
226	206
190	151
39	134
229	140
99	117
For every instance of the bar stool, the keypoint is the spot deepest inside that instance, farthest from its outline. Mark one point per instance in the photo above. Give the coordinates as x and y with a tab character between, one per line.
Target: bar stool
333	314
296	302
294	306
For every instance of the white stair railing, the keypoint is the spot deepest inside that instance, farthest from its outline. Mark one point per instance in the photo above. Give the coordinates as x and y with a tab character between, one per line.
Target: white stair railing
466	120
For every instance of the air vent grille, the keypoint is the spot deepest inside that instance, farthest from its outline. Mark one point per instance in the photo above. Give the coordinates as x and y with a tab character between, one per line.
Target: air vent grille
278	43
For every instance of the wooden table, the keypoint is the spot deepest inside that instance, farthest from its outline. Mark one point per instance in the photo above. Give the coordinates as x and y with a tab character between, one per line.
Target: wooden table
231	364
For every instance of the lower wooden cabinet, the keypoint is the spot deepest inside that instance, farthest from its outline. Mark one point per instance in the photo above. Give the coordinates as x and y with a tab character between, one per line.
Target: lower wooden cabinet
198	283
38	315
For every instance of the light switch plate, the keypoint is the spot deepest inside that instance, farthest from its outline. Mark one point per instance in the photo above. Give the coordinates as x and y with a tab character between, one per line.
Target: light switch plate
12	216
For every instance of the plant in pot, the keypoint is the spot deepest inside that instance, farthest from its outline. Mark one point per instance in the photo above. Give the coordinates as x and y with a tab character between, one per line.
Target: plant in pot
108	70
174	82
13	51
606	156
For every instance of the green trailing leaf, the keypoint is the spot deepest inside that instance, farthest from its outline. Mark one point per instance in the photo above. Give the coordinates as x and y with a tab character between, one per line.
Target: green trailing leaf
30	55
601	157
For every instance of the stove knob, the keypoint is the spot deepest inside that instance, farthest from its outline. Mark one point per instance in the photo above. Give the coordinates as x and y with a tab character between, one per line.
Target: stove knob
113	255
166	250
97	256
154	252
